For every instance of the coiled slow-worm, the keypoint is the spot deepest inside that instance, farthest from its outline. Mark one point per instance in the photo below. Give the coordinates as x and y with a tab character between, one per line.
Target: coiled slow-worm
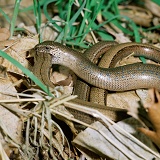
121	78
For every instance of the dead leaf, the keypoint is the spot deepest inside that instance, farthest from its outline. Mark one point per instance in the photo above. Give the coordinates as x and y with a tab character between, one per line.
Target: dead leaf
65	82
4	34
9	122
114	143
153	7
153	109
3	72
17	49
139	15
123	100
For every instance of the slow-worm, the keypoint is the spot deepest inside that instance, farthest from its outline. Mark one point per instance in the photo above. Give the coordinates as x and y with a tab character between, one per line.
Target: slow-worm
117	53
82	89
48	53
129	77
41	68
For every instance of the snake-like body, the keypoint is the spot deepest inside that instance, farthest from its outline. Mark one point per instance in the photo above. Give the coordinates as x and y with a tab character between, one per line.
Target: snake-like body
128	77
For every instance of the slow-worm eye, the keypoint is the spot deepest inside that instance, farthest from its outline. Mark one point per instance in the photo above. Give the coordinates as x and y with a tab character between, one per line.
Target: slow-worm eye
47	47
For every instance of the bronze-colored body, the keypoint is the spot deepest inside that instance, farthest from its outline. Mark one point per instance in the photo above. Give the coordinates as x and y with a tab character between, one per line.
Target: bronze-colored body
122	78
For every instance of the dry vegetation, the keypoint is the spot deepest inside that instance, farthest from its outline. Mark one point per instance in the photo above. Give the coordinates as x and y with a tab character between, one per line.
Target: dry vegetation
37	122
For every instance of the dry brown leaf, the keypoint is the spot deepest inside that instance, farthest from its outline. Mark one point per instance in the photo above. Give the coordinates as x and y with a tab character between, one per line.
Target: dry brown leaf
153	7
154	115
140	16
66	82
64	77
98	141
150	37
17	49
61	75
123	100
4	34
11	121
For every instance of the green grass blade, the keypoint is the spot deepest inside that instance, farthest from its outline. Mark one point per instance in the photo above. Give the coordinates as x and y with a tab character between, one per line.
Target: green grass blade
37	14
14	18
73	19
5	15
57	27
31	7
67	25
